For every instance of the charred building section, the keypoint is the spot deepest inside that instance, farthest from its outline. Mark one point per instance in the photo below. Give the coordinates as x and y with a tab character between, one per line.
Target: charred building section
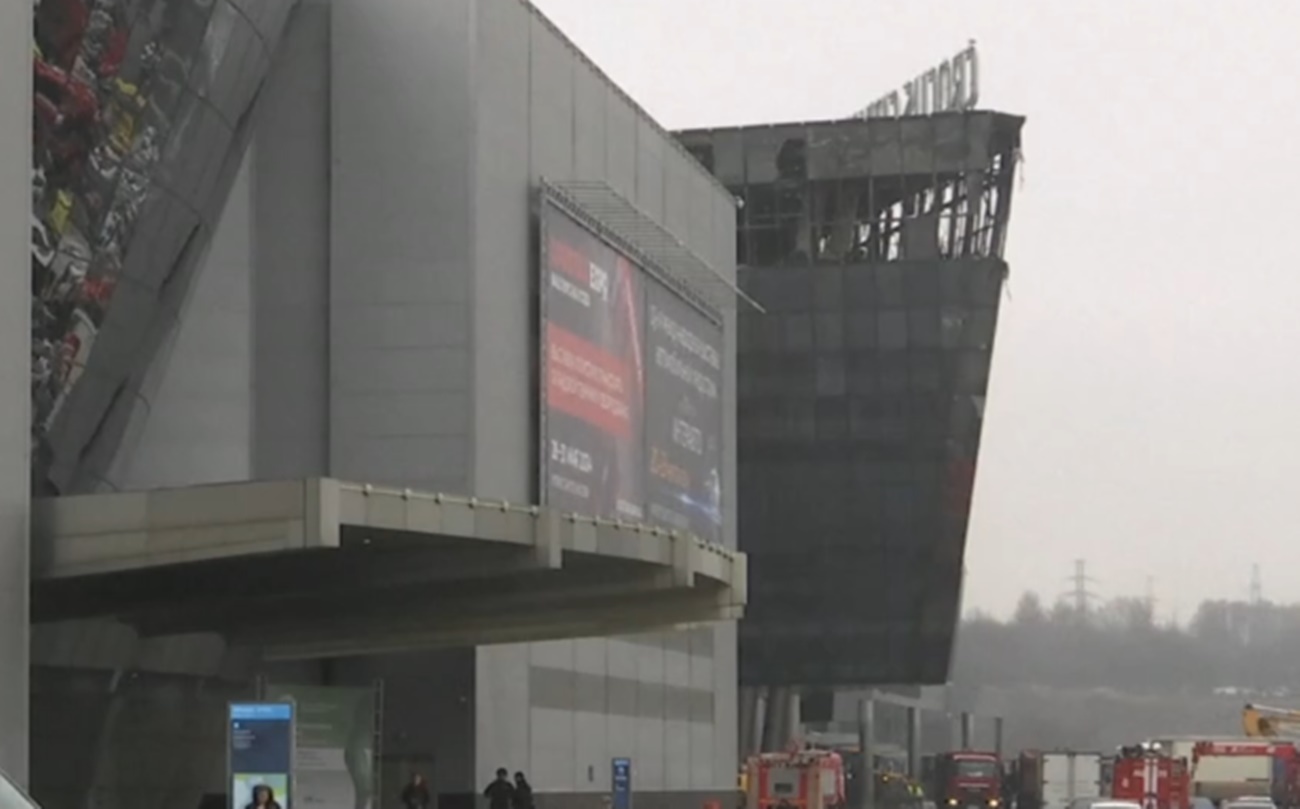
876	248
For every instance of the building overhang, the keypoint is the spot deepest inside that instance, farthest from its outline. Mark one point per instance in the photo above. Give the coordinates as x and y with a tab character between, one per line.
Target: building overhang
319	567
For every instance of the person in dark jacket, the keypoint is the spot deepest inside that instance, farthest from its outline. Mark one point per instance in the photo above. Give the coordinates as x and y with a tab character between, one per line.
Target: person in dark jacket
415	795
523	798
500	793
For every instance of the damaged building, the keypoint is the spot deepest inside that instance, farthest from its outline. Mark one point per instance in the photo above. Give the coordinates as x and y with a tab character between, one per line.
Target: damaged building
876	249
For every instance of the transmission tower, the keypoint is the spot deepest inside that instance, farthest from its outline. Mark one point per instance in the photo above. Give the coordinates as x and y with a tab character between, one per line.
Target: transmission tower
1080	595
1256	586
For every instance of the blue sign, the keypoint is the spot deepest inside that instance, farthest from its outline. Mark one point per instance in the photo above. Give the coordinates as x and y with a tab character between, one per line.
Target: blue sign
262	710
621	783
260	754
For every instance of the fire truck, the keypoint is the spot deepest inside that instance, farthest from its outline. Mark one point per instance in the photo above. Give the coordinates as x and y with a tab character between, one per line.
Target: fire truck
1282	727
966	779
1150	777
794	779
1228	769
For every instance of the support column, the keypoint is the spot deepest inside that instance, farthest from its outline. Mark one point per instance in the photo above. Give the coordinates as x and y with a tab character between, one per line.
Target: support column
967	730
867	746
914	743
15	371
758	735
794	715
775	733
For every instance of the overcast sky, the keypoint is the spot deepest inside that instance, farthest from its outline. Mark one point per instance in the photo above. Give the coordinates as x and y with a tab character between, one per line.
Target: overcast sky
1144	412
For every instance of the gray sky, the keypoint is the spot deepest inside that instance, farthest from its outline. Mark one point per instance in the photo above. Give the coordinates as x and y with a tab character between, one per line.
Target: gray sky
1145	397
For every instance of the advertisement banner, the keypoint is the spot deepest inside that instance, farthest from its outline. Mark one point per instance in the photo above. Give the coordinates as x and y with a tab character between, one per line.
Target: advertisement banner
592	375
335	745
683	416
631	388
260	755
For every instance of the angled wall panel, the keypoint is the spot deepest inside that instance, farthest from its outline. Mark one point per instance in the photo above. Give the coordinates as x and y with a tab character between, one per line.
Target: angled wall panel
142	112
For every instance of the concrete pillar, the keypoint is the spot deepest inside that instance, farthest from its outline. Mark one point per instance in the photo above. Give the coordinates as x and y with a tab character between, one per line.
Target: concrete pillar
914	742
867	746
776	732
759	730
771	719
15	370
793	715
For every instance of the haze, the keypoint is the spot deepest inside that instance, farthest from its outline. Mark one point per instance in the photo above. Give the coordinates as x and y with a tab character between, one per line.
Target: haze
1144	404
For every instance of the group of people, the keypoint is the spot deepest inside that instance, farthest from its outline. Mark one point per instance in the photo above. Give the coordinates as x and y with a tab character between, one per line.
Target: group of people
502	793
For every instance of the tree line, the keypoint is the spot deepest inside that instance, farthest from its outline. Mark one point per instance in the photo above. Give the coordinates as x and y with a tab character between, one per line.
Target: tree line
1229	646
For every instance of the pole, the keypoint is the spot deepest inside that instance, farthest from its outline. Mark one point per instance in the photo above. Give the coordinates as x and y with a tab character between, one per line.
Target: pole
749	722
967	730
867	746
794	715
914	743
15	398
997	736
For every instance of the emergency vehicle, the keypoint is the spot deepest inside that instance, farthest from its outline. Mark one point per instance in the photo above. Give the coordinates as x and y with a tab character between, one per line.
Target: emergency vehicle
794	779
1150	777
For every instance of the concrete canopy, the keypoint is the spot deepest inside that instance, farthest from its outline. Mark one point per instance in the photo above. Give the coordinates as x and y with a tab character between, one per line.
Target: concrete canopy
319	567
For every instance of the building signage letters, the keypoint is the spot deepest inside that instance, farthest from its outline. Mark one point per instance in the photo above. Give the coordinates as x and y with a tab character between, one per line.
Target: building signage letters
952	85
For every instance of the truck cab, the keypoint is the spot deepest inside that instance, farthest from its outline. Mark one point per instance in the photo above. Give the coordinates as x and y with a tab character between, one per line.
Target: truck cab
967	779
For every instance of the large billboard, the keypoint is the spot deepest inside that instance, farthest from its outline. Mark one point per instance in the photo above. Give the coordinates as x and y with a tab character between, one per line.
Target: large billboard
631	388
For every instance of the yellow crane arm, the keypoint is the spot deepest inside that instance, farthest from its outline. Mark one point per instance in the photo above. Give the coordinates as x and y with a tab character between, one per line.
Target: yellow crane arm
1261	721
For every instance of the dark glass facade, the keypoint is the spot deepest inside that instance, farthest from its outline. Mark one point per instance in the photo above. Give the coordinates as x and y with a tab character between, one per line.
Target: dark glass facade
141	115
875	247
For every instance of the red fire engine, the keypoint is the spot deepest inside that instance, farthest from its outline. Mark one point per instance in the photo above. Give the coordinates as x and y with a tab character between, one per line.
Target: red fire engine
967	779
1150	777
795	779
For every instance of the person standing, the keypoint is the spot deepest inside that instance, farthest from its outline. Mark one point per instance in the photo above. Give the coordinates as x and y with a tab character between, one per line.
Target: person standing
523	797
415	795
500	793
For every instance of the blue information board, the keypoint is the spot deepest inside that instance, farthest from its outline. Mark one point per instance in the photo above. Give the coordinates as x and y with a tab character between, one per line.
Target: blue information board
621	783
260	755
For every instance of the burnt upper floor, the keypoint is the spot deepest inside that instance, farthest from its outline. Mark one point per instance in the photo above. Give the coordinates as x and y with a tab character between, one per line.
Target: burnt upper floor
851	191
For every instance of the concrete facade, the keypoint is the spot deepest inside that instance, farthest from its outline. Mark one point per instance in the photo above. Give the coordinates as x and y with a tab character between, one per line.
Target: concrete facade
365	310
15	401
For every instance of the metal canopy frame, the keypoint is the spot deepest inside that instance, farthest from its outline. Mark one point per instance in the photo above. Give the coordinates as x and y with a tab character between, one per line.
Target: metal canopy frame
615	218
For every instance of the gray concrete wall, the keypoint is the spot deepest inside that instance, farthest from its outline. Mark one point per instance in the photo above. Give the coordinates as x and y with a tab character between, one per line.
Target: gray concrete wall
400	259
121	721
543	110
291	316
428	721
15	368
198	415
